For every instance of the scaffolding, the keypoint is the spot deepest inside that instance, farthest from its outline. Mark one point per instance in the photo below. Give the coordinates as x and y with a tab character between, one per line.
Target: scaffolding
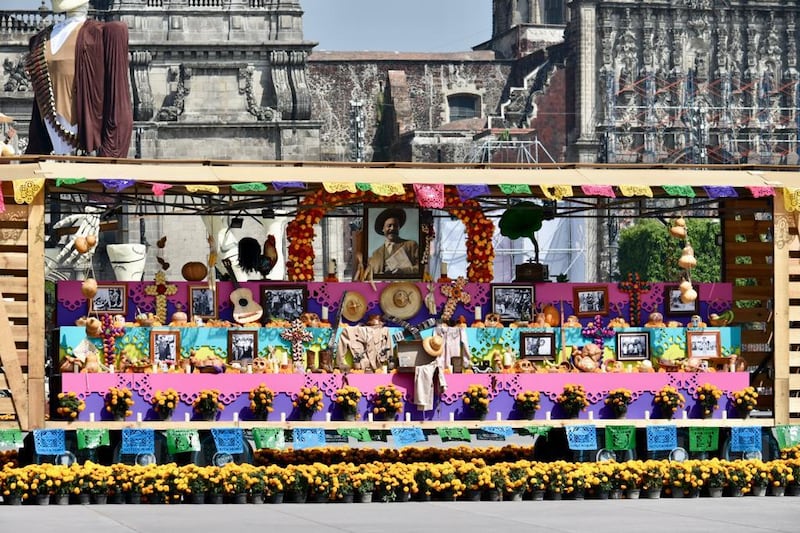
497	149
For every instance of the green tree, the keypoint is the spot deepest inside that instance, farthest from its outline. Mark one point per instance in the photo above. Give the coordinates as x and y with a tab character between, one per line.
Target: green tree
647	248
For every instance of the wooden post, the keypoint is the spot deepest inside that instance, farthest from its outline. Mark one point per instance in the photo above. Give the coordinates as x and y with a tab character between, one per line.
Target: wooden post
36	314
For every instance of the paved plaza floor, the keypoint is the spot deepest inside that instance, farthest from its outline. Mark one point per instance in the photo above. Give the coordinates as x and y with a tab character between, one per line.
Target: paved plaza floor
731	515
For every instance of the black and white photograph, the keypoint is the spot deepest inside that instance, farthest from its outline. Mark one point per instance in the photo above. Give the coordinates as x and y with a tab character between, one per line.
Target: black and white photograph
633	346
702	344
203	301
537	346
513	302
672	298
165	346
111	299
283	302
392	242
242	345
590	301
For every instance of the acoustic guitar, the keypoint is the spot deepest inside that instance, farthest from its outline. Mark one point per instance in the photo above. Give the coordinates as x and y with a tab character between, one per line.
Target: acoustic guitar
245	309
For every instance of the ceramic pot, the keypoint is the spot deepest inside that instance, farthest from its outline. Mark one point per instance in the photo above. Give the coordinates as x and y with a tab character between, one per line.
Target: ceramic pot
365	497
777	491
257	499
472	495
100	499
12	500
537	495
198	498
61	499
42	499
239	498
632	494
715	492
215	499
758	490
276	497
493	495
347	498
134	498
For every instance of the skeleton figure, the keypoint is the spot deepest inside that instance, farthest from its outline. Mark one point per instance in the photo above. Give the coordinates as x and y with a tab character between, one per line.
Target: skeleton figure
70	257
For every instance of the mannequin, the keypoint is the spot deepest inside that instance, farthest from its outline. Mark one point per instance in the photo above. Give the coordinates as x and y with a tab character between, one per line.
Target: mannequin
79	72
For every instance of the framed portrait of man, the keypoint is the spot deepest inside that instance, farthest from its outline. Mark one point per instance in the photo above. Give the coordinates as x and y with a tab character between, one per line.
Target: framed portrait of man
203	302
284	302
165	345
590	301
633	346
110	299
538	346
392	242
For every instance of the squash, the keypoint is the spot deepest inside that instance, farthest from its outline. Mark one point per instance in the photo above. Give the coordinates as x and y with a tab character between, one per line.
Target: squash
194	271
689	296
678	231
89	288
551	315
81	245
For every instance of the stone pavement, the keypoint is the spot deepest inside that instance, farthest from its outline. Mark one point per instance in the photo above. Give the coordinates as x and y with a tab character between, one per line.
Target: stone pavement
732	515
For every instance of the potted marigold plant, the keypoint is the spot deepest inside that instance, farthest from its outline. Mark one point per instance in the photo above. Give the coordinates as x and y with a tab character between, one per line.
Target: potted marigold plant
618	401
669	400
69	405
207	404
387	401
308	402
347	399
707	396
527	403
118	402
572	400
476	398
164	403
261	399
745	401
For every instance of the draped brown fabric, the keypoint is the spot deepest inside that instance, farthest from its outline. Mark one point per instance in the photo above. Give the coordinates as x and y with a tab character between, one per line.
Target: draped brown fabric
102	93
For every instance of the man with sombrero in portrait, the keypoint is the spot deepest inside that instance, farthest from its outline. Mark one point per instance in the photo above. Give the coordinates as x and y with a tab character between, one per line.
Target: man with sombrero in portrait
396	256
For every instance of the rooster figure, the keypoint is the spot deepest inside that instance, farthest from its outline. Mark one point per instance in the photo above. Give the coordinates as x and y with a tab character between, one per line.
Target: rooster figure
252	258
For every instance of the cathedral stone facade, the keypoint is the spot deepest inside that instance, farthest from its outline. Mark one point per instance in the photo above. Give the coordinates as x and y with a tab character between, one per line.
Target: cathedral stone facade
590	80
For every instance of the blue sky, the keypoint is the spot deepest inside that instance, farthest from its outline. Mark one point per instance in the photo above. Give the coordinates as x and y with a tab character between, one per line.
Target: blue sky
383	25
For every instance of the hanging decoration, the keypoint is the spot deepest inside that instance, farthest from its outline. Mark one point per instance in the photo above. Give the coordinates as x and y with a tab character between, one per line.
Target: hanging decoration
249	187
685	191
468	192
429	196
791	199
719	191
2	201
280	185
687	261
213	189
26	190
519	188
760	192
159	188
556	192
297	334
634	287
388	189
116	184
69	181
599	190
334	188
636	190
161	289
455	294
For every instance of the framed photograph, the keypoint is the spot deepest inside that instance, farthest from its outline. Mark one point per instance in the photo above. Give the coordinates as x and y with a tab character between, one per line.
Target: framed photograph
537	346
633	346
242	345
111	299
283	302
203	301
513	302
702	343
165	345
392	238
590	301
674	305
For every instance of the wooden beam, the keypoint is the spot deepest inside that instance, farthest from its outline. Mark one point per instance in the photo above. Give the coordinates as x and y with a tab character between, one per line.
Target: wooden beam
36	319
13	237
14	309
13	261
13	369
13	285
781	319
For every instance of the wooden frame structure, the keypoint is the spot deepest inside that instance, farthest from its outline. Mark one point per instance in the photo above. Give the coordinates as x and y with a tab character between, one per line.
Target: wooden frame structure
771	270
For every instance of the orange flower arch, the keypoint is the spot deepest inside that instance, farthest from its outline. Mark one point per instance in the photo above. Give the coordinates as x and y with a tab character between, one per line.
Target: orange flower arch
300	231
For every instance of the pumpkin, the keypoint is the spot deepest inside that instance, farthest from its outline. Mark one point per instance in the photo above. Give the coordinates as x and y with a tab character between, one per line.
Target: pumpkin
194	271
551	315
89	288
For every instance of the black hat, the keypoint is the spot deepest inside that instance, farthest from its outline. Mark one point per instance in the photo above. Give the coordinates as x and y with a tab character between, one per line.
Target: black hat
392	212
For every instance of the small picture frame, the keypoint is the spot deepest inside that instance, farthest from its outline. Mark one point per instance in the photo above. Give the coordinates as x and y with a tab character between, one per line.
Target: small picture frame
242	345
283	302
165	346
537	346
674	305
513	302
590	301
633	346
703	344
202	302
392	237
110	299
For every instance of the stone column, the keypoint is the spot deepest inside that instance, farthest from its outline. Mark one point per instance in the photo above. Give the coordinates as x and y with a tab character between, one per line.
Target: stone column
585	21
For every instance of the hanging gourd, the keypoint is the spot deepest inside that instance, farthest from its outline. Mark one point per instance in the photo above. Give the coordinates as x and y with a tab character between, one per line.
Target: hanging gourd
689	296
687	260
89	288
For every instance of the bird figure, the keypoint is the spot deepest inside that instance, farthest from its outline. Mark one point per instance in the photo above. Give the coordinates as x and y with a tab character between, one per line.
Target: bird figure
254	258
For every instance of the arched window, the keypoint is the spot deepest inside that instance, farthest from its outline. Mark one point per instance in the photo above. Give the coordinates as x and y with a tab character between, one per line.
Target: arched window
463	106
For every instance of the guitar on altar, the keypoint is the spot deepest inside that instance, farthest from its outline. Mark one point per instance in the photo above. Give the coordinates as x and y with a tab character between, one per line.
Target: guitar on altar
245	309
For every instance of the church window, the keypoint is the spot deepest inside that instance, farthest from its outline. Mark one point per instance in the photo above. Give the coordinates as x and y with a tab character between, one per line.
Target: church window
463	106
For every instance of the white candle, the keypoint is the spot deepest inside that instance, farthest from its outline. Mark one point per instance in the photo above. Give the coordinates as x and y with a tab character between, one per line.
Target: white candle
685	415
452	417
284	359
370	417
324	312
186	417
188	369
327	417
138	417
591	415
647	415
478	313
111	369
91	417
498	415
249	369
235	418
724	415
443	269
283	417
408	417
155	368
332	267
547	415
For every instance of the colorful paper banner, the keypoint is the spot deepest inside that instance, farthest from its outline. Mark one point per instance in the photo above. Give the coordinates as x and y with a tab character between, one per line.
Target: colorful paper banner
49	441
541	431
620	437
504	431
720	191
337	187
26	190
183	440
212	189
116	184
92	438
556	192
269	438
703	439
599	190
10	439
429	195
760	192
249	187
360	434
791	199
308	438
787	436
228	440
679	190
468	192
388	189
159	188
69	181
454	433
280	185
406	436
518	188
582	437
662	438
138	441
636	190
746	439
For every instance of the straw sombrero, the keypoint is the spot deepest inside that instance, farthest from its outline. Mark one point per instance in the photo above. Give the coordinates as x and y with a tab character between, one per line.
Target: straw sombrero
354	306
433	345
401	299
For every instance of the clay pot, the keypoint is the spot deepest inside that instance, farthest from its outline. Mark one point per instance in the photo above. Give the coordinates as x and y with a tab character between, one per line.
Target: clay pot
194	271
